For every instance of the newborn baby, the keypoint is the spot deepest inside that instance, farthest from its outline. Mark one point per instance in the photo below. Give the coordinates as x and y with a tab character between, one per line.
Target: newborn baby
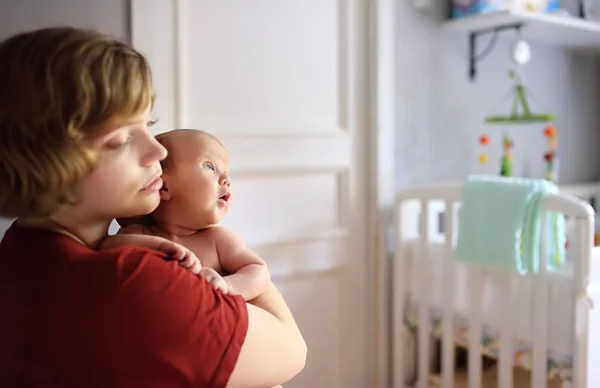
195	196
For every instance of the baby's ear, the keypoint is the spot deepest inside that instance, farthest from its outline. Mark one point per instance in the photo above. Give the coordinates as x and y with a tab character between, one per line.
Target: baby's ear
165	193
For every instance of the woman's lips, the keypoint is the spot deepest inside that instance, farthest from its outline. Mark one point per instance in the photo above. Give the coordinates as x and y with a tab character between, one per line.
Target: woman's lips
154	186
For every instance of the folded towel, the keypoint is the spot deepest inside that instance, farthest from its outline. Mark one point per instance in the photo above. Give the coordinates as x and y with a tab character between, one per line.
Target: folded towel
500	224
555	230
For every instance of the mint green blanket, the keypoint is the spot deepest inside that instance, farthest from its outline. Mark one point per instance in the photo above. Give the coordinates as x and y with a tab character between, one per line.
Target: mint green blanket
500	224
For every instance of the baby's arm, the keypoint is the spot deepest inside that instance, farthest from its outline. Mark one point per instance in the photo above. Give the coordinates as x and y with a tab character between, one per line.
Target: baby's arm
249	274
141	236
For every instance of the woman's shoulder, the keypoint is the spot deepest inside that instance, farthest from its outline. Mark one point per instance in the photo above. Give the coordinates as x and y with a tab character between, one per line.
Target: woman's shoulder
134	300
178	309
147	279
136	268
132	260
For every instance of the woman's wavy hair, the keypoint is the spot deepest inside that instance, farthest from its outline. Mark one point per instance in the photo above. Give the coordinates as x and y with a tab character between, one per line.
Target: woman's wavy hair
59	87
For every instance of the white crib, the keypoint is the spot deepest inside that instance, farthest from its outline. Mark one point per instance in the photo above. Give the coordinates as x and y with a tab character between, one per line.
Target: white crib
540	322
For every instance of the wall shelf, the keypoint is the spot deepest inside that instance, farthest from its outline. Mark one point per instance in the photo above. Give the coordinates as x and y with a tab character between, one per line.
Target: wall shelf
554	29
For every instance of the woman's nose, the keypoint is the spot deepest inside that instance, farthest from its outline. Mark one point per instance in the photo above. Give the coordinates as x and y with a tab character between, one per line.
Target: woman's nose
155	152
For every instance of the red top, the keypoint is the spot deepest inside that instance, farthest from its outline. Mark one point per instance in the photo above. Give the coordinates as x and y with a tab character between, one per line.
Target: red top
74	317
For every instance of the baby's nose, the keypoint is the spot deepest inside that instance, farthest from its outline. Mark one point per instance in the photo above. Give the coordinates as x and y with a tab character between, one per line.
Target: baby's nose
224	181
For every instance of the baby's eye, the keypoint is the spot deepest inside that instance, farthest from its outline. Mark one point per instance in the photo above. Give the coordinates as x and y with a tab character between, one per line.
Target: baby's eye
208	166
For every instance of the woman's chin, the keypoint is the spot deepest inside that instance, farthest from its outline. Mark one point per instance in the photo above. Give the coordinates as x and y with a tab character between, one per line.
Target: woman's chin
153	201
143	207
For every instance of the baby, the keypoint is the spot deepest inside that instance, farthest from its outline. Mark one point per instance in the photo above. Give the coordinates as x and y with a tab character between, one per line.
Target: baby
195	196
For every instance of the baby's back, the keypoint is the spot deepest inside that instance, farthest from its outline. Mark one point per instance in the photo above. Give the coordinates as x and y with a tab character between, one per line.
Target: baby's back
202	243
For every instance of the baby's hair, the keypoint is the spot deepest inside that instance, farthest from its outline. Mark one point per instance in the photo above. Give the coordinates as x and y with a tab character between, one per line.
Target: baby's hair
60	87
163	138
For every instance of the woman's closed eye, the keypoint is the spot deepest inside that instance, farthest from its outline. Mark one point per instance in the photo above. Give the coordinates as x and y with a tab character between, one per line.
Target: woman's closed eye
116	144
125	135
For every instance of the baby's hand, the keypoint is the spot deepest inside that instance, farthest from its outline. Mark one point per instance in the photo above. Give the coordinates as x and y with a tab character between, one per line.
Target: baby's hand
185	257
137	235
216	280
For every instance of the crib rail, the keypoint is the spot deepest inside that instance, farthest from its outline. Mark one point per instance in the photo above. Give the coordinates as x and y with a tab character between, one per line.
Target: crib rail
589	192
430	213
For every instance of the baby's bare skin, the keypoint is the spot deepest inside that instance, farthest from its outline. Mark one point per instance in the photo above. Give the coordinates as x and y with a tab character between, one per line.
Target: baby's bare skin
196	195
204	241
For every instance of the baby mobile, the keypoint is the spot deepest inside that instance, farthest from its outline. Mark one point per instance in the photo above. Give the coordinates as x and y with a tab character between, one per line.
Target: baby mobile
521	114
550	156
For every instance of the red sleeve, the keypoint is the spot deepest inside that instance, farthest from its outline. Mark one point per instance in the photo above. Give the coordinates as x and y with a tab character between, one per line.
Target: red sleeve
179	324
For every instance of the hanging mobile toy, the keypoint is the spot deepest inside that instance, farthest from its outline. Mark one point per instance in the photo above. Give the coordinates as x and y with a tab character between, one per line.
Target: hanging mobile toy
483	140
506	160
550	156
521	112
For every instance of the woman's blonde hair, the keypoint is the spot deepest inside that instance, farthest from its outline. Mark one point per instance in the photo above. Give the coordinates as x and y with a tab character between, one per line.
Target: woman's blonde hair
58	87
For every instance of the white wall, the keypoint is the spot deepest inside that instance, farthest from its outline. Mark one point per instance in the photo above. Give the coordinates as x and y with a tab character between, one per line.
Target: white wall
108	16
439	114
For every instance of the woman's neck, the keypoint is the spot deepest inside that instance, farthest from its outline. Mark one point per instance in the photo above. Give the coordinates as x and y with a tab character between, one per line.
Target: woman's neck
91	234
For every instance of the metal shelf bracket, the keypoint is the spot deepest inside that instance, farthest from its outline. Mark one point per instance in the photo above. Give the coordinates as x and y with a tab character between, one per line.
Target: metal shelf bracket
473	56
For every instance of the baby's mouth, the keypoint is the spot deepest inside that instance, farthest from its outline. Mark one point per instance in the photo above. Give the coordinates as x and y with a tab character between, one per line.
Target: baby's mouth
225	197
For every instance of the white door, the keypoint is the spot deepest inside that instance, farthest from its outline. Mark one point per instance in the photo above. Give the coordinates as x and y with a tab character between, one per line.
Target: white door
280	82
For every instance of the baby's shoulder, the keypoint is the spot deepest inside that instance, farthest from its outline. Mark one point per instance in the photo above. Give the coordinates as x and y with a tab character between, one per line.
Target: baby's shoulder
216	233
224	238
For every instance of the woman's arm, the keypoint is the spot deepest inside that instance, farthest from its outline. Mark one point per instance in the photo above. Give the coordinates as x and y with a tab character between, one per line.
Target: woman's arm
185	327
274	350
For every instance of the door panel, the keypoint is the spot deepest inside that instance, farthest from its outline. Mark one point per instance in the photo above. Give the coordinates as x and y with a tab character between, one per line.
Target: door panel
279	83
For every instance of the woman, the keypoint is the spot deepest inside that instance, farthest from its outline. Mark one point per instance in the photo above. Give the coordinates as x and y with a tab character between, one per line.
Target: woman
75	153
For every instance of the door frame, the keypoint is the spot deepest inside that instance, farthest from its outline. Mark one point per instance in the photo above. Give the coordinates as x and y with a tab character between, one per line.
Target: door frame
380	164
378	43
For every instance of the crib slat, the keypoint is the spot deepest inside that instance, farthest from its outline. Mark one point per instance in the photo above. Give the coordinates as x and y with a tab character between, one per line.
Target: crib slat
400	285
582	253
505	363
540	319
475	365
448	344
424	300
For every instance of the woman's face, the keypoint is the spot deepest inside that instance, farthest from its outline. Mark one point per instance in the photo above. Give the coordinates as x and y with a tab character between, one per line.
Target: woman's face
126	180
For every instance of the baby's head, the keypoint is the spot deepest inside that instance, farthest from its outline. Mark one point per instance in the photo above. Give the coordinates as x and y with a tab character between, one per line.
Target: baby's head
196	191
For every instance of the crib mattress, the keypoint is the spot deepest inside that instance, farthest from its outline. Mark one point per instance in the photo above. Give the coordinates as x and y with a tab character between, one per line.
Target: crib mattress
489	379
559	364
561	314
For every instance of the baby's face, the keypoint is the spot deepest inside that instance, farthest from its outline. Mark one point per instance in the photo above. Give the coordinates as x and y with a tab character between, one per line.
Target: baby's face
198	182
